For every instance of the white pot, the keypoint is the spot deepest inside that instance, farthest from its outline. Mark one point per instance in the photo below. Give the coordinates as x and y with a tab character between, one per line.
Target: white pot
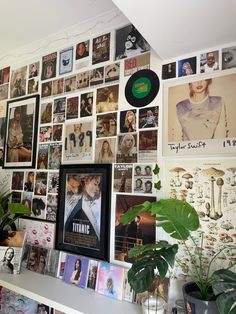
153	305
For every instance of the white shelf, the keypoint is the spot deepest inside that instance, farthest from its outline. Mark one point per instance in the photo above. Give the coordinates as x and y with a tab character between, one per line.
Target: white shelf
64	297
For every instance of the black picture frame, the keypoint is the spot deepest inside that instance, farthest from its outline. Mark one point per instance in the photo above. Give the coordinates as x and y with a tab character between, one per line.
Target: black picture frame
20	142
84	231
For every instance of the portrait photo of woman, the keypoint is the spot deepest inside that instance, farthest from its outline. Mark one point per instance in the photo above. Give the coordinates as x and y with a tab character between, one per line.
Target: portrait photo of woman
202	110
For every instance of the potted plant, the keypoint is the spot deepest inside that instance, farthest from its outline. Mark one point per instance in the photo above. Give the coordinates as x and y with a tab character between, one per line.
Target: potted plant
9	212
179	219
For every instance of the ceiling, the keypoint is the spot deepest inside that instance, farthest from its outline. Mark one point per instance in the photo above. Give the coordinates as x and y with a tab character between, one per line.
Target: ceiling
172	28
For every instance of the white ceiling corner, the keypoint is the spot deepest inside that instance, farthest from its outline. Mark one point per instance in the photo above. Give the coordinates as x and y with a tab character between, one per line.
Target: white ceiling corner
174	28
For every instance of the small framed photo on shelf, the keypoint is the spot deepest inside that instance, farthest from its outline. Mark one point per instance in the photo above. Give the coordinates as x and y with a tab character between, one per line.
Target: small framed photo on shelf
21	133
84	210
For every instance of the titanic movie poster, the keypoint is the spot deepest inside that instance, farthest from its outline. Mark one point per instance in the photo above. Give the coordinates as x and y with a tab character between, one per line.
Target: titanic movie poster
82	216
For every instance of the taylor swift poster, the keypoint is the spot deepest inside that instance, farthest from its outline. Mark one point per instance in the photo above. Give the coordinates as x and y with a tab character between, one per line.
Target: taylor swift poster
199	116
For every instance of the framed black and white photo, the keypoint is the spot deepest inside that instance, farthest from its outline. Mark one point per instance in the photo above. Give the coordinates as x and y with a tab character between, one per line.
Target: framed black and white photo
21	133
84	210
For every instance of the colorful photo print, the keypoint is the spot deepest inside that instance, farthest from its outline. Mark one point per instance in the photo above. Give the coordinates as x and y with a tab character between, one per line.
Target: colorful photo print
148	117
82	50
21	132
42	156
5	75
112	72
92	274
200	115
55	153
82	80
16	197
45	133
107	99
97	76
86	104
37	261
27	199
129	42
53	182
106	124
1	157
138	232
83	224
123	178
187	66
101	48
33	70
209	61
66	60
137	63
49	66
39	207
59	109
41	183
127	148
38	232
17	180
169	70
76	270
147	145
70	83
58	86
105	150
46	113
228	58
2	130
110	280
57	132
46	89
29	181
72	108
51	211
33	86
4	91
78	142
18	82
128	121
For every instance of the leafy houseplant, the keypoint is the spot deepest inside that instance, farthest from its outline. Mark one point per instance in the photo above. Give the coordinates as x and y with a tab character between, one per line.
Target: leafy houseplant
178	219
9	212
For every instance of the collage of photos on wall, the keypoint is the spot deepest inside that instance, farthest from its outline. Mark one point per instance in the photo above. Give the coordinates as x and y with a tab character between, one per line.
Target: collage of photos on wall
67	108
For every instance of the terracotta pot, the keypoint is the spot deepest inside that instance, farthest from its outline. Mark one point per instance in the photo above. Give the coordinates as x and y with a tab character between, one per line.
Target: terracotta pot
197	306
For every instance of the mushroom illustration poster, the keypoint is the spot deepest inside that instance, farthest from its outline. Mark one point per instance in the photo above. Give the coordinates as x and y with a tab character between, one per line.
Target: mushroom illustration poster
210	187
199	116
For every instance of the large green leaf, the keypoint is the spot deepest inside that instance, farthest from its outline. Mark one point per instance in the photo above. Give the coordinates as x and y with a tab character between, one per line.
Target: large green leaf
17	208
150	258
224	287
177	218
130	215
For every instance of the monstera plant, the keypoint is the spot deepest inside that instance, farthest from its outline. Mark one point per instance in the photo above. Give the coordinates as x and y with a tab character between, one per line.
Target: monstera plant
179	219
9	212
